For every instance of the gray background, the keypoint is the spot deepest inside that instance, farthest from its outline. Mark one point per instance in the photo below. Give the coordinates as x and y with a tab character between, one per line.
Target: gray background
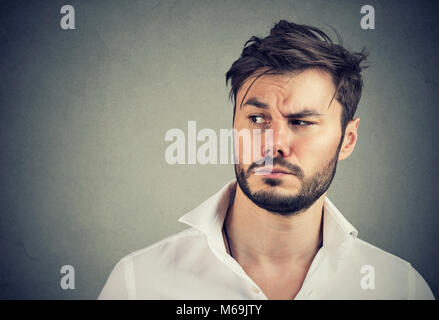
84	113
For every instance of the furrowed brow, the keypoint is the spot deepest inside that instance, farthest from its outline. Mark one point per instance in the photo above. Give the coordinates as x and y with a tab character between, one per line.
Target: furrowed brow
256	103
300	114
304	113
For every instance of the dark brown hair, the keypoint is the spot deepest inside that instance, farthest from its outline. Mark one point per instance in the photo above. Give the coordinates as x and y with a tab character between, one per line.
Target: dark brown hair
293	47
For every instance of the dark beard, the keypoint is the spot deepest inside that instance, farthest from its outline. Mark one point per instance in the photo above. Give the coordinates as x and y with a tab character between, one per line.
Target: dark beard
312	188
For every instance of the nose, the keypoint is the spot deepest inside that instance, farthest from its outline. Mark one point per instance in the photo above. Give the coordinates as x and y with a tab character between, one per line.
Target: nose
281	141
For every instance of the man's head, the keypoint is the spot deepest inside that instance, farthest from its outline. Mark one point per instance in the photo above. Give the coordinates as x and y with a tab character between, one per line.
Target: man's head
305	89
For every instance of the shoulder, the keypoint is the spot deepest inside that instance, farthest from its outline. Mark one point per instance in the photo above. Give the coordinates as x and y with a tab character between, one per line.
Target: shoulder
153	264
366	252
394	276
169	249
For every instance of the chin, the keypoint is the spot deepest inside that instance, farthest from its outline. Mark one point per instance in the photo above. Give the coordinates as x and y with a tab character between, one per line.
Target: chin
280	183
274	186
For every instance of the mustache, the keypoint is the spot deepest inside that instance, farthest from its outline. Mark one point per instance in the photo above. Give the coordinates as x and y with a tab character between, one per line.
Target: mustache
280	162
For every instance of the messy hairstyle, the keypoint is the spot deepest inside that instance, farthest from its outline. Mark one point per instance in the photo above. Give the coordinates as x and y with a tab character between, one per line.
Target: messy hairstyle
293	47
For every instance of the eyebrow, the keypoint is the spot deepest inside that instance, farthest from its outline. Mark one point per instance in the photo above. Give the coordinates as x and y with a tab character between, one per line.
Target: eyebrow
255	102
300	114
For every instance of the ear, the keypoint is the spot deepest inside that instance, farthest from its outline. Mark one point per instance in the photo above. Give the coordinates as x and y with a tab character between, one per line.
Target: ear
350	139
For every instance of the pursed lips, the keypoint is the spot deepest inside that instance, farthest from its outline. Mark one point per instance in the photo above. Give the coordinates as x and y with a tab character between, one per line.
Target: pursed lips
265	171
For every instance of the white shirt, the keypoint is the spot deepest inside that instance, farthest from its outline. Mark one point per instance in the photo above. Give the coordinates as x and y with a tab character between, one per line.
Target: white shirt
194	264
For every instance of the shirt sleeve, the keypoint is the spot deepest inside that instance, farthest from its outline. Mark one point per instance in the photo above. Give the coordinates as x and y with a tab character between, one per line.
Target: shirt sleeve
418	287
120	284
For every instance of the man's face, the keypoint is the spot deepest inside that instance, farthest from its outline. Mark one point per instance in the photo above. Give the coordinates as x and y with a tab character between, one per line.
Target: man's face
306	131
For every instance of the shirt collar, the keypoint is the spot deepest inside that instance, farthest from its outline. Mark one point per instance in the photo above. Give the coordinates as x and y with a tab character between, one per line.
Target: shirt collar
209	217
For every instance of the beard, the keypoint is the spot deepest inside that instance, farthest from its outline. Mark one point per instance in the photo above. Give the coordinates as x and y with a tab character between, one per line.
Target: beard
312	188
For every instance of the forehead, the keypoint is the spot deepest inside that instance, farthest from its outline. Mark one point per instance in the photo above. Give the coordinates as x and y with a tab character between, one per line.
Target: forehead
308	89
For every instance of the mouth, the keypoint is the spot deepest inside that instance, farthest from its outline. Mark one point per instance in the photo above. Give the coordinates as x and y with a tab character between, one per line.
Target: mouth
272	172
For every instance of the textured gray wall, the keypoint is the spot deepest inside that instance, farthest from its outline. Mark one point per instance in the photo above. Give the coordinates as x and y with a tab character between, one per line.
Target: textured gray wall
84	112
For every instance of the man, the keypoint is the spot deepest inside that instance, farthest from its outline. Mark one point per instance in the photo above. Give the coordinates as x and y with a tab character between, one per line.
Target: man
273	234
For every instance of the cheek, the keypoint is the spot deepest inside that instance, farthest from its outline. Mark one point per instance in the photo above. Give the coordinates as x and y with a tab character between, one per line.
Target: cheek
313	153
248	145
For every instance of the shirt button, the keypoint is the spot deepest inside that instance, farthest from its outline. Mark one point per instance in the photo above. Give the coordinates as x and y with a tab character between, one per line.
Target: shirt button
255	290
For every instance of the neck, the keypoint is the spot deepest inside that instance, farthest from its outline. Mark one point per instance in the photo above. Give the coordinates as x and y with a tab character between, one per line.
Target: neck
259	237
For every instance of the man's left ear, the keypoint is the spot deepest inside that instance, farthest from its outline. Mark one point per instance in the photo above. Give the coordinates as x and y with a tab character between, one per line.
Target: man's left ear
350	139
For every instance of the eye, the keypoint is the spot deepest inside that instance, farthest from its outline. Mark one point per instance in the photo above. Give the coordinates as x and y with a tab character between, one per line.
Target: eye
301	123
257	119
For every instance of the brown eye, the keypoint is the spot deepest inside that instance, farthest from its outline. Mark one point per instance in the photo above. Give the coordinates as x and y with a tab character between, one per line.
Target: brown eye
301	123
257	119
